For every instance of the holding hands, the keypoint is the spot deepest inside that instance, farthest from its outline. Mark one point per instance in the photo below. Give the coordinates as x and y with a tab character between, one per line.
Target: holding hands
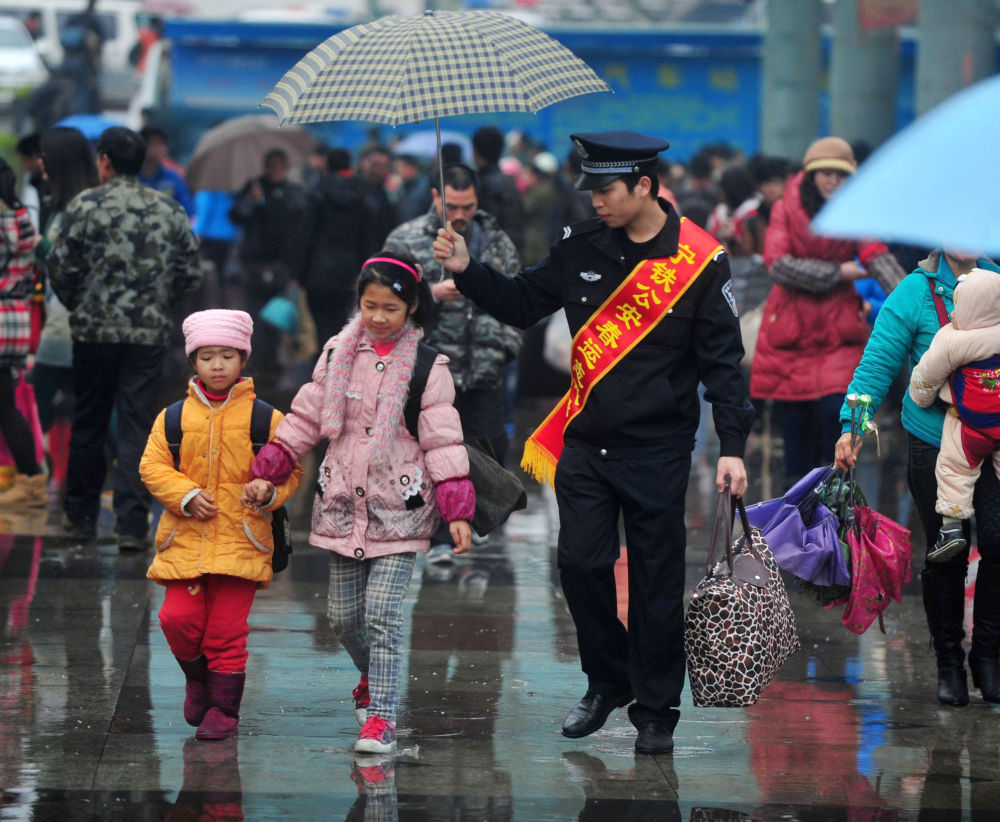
461	533
257	493
202	506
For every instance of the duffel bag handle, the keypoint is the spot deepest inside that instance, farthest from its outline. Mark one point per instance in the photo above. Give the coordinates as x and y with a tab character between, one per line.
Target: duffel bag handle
744	519
723	522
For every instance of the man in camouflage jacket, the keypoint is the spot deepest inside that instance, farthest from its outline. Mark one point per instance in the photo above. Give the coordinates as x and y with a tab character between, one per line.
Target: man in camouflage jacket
478	346
125	253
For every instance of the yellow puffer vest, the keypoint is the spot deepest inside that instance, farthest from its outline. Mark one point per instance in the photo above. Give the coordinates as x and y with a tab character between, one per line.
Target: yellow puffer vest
216	455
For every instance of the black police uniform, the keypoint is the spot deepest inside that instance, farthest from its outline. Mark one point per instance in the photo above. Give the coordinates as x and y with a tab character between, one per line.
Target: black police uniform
629	449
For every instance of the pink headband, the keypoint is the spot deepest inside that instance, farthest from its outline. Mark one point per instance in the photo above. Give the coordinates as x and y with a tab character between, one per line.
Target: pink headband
412	270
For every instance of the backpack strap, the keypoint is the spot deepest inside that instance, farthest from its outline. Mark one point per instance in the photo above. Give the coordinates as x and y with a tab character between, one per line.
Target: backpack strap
942	312
260	427
260	424
943	320
418	382
173	431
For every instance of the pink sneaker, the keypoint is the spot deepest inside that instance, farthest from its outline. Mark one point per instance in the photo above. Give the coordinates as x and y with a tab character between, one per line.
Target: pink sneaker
362	699
377	736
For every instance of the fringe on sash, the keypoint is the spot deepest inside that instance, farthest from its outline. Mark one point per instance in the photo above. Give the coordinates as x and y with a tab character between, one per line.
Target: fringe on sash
538	462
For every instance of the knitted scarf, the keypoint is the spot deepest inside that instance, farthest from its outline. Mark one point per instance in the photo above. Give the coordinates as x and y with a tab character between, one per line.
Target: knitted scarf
395	385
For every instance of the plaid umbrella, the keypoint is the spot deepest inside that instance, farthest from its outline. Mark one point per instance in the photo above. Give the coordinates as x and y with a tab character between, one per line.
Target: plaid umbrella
404	69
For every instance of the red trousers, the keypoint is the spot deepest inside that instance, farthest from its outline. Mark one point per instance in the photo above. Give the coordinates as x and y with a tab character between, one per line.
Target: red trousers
208	616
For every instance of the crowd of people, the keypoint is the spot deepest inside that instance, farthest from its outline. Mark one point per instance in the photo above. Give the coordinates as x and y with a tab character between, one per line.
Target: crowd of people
657	268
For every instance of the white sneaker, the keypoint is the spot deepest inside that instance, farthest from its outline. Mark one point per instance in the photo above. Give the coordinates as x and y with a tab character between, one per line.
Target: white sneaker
441	554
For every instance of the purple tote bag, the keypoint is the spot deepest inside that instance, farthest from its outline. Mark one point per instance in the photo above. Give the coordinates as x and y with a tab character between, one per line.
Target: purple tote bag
802	532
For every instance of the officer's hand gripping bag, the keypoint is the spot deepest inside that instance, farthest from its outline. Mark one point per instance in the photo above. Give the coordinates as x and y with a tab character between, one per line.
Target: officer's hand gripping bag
739	628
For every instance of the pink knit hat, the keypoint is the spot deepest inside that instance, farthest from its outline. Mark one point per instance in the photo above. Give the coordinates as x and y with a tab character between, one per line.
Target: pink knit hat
217	326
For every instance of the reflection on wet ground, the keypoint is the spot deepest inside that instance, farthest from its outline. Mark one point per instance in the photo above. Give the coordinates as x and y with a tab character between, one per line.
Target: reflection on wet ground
91	726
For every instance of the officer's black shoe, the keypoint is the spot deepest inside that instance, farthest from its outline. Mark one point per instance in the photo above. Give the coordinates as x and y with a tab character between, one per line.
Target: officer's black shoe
591	712
654	738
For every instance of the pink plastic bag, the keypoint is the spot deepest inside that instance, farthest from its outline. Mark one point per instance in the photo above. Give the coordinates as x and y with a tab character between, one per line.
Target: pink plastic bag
881	563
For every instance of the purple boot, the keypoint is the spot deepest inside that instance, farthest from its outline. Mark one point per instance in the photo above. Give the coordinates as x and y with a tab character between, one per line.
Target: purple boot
225	692
195	691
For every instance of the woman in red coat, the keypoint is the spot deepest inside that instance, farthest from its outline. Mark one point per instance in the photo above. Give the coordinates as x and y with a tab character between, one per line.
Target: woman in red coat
814	327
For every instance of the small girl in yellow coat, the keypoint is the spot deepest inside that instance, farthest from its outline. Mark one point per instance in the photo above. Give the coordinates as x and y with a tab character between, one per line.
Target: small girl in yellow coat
213	547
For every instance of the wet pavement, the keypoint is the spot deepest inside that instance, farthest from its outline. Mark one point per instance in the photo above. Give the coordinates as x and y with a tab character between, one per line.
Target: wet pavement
91	725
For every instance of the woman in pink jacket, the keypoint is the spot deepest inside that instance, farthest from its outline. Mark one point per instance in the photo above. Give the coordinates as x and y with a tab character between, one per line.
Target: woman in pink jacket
381	492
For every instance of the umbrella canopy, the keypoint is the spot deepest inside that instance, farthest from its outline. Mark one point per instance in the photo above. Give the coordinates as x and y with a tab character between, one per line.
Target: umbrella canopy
404	69
933	184
231	153
92	126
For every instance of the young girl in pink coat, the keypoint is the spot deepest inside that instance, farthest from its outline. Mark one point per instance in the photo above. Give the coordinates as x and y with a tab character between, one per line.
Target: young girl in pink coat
381	492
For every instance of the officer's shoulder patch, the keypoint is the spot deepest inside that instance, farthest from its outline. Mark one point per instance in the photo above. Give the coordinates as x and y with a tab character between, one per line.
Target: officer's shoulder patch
584	227
727	292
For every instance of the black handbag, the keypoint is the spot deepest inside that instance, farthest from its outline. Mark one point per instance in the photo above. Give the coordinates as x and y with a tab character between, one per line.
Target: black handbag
499	492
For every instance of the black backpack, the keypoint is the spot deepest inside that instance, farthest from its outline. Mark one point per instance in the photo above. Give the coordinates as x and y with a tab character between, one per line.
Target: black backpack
260	431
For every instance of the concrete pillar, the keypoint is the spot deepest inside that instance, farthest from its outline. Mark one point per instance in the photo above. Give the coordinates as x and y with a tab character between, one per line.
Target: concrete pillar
864	75
793	75
956	45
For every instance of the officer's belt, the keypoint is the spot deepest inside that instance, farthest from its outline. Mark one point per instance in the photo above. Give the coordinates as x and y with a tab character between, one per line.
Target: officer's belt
632	311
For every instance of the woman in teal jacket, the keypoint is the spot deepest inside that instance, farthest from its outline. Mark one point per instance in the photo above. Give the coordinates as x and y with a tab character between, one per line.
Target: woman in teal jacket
903	331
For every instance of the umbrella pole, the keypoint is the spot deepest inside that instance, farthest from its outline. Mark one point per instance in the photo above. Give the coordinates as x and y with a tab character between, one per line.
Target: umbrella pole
444	218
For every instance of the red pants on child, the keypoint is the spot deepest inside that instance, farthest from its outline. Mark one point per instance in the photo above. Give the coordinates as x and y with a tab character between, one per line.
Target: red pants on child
209	616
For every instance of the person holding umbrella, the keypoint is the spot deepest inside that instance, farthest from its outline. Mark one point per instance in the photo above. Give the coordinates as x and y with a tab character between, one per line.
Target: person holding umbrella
908	321
649	300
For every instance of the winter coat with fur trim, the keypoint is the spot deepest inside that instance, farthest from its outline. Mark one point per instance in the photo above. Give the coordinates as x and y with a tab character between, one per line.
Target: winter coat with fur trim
216	455
369	506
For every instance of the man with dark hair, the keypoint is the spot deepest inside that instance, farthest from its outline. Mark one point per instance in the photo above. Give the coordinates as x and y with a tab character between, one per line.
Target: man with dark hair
338	239
414	188
34	185
82	40
155	174
649	301
478	346
498	192
270	209
698	196
124	255
374	166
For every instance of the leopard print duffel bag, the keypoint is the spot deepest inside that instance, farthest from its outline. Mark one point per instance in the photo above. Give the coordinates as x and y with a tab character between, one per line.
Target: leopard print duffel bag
739	628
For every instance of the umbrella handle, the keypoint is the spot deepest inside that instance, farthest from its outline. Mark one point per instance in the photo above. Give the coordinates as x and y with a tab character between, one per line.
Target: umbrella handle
444	213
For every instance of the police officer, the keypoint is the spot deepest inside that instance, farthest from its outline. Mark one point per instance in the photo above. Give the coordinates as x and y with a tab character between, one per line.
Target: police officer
628	450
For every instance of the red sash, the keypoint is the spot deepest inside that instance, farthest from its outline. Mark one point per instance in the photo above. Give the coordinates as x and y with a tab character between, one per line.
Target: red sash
635	308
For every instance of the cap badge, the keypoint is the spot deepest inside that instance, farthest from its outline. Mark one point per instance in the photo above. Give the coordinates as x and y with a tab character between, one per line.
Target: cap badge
589	276
581	149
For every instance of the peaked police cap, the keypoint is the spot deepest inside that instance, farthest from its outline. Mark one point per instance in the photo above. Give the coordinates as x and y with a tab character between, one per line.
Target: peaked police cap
607	155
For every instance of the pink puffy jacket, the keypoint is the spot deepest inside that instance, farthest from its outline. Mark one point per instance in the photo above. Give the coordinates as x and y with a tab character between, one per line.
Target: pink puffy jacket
363	510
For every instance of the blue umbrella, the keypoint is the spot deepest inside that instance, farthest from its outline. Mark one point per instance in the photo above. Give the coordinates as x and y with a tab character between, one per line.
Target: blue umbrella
935	184
424	144
92	126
